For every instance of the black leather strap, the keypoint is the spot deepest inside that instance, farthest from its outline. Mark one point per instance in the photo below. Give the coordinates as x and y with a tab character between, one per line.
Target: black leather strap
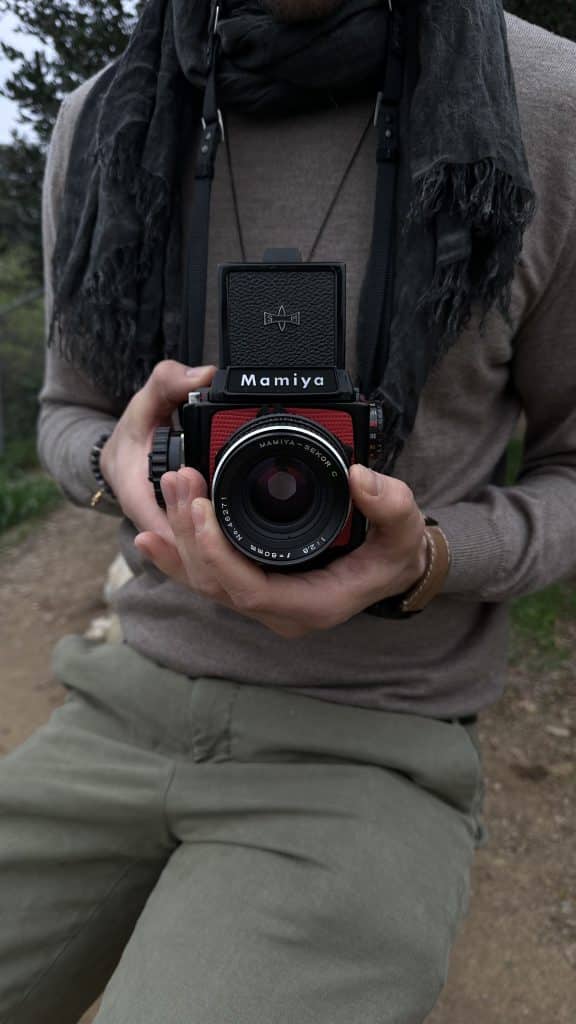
194	299
376	302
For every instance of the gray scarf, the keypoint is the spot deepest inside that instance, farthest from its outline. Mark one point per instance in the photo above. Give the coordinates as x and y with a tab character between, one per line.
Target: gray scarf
117	263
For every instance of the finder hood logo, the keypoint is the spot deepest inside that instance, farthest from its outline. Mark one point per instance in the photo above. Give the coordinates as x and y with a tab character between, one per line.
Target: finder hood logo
292	381
281	318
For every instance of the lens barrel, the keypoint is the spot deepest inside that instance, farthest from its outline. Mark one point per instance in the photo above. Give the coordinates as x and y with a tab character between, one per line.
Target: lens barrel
280	489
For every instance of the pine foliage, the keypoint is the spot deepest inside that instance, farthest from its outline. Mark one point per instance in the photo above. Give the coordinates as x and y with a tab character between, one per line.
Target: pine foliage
75	39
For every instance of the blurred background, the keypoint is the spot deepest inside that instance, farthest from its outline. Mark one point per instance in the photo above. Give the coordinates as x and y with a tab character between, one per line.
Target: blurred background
516	960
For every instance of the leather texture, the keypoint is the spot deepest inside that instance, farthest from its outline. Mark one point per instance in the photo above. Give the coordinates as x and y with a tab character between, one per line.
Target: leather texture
436	571
310	342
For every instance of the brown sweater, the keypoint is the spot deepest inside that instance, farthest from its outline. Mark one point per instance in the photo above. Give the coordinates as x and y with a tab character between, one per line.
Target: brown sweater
506	541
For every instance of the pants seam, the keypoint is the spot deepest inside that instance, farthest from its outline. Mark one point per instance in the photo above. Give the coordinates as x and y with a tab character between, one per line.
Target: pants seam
71	938
164	804
228	733
477	802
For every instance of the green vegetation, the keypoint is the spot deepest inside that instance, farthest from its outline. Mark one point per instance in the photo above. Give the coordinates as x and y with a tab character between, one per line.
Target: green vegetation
515	449
537	626
25	496
21	343
75	40
25	492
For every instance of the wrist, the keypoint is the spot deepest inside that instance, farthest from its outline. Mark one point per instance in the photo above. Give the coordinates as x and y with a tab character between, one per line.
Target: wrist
427	586
100	464
418	566
431	582
106	462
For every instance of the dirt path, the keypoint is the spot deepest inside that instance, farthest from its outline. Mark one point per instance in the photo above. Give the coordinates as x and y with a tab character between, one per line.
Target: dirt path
515	961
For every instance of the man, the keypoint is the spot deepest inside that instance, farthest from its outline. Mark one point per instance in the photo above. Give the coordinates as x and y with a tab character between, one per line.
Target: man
263	804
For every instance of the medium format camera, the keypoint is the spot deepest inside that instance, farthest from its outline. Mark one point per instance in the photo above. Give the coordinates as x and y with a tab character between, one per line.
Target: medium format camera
277	431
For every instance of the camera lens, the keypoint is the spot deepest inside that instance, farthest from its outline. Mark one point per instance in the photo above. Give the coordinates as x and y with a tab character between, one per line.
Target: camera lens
280	489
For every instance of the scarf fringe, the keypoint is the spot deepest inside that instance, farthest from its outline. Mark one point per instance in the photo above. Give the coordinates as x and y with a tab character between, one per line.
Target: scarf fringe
107	310
480	193
111	357
497	211
150	194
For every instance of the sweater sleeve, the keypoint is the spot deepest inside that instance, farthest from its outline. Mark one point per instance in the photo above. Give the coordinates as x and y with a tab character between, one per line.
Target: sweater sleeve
511	541
73	415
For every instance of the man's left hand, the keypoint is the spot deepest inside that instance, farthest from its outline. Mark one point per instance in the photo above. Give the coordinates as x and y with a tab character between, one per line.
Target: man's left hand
389	562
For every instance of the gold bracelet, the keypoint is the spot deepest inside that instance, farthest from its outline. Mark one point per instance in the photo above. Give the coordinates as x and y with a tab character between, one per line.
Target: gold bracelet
96	498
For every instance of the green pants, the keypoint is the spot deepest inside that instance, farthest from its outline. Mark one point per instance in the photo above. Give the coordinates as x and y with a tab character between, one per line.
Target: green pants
215	853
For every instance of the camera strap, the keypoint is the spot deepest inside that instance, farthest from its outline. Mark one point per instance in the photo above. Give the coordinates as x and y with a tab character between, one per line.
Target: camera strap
376	300
211	134
377	295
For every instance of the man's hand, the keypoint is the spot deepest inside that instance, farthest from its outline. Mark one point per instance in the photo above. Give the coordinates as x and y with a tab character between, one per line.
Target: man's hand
124	458
392	558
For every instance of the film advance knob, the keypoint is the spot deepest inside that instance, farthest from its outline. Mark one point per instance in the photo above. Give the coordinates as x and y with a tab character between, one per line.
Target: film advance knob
166	455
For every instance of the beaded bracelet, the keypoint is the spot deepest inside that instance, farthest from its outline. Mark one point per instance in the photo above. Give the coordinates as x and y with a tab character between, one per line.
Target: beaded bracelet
104	489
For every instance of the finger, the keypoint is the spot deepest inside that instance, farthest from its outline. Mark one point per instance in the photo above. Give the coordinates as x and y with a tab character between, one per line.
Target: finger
213	566
167	386
198	485
295	602
182	487
166	558
245	583
180	490
148	516
163	555
139	503
387	503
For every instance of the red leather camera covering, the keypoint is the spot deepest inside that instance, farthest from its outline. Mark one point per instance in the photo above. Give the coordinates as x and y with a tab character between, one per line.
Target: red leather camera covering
225	423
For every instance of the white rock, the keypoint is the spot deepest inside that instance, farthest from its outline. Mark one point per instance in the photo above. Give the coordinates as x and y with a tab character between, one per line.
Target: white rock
559	731
119	573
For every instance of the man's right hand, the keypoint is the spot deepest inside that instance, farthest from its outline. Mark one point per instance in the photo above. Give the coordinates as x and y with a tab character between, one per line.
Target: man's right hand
124	458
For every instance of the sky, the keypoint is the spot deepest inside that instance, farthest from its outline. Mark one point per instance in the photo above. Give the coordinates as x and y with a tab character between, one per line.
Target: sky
8	111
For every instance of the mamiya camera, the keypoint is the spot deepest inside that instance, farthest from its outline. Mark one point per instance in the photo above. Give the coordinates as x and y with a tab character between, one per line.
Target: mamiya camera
276	433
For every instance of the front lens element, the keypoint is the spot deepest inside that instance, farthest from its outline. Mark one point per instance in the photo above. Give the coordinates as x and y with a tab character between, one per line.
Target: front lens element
281	490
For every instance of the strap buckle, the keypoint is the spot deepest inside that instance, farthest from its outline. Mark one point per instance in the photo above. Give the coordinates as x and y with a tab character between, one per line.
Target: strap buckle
216	17
211	34
207	124
386	120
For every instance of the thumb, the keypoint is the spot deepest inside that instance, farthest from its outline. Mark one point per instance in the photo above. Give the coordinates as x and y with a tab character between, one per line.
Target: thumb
167	386
386	502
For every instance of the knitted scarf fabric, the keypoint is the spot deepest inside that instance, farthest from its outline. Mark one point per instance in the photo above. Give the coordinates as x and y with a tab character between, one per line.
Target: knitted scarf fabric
118	259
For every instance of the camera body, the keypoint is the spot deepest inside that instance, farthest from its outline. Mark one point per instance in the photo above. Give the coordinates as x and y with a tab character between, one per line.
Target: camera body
276	433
